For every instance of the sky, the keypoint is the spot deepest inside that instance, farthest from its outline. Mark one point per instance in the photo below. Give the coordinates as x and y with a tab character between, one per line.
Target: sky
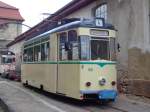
31	10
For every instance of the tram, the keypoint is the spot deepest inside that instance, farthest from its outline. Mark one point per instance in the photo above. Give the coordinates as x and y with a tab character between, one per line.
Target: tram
7	63
76	60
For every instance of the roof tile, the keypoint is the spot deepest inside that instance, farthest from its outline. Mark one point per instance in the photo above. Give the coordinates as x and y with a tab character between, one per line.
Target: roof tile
4	5
9	12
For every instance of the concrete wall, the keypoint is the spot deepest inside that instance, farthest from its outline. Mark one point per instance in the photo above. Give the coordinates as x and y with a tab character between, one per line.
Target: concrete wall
139	51
131	19
17	50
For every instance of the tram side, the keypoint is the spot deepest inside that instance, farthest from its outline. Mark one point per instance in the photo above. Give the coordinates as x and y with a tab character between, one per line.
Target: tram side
37	70
76	62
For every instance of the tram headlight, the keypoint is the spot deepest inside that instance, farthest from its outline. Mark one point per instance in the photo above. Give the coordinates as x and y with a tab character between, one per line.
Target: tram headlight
88	84
113	83
102	82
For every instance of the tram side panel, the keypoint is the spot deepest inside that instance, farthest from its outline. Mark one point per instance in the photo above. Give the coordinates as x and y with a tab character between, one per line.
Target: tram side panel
43	73
69	80
38	75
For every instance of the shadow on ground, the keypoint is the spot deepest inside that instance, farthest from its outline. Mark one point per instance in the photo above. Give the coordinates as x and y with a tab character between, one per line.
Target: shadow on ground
70	101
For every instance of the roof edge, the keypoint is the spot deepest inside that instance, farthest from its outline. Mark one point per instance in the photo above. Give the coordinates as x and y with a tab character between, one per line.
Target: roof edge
9	8
12	19
56	14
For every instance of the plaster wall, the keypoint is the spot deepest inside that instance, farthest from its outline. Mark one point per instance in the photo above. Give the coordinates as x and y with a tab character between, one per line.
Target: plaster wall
16	48
85	12
131	19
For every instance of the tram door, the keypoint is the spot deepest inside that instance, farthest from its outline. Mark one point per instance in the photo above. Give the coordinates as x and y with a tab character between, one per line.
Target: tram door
52	80
68	74
62	55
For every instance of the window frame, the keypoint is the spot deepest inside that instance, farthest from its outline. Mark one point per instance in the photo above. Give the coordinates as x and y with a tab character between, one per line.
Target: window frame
68	55
99	8
37	44
102	40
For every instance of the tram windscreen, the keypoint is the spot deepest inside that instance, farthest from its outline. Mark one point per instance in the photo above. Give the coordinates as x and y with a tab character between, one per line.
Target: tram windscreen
96	48
99	49
6	60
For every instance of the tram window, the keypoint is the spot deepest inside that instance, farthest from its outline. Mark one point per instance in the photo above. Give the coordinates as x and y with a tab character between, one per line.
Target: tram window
99	49
63	37
84	48
3	60
37	53
73	52
113	49
45	39
9	60
47	51
30	54
63	52
6	60
43	52
72	36
25	57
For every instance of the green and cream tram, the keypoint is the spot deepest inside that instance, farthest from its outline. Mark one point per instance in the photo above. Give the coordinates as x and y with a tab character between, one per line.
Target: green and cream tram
76	60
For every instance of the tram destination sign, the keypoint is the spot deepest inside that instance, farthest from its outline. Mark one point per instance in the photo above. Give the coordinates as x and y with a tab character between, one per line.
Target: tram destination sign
99	32
99	22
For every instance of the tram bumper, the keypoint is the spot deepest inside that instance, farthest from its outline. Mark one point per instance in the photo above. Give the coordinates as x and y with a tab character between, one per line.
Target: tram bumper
107	95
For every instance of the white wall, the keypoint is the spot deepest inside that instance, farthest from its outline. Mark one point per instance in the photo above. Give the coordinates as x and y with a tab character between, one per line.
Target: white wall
17	50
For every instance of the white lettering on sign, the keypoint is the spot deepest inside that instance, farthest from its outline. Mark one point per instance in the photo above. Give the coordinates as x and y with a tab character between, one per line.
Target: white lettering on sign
99	22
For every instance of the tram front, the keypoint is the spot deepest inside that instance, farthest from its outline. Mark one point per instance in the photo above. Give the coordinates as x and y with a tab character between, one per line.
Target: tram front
98	77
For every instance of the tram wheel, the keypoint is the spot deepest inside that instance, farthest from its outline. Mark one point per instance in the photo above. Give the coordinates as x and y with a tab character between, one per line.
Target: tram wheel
41	87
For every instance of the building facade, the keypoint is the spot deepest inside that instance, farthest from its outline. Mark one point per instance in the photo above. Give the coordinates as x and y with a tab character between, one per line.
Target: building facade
131	20
10	24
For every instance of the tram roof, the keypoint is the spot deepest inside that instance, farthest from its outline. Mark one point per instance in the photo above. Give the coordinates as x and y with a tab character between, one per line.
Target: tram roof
6	53
80	23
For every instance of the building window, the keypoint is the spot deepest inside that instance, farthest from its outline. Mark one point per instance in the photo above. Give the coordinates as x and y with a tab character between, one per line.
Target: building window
101	11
